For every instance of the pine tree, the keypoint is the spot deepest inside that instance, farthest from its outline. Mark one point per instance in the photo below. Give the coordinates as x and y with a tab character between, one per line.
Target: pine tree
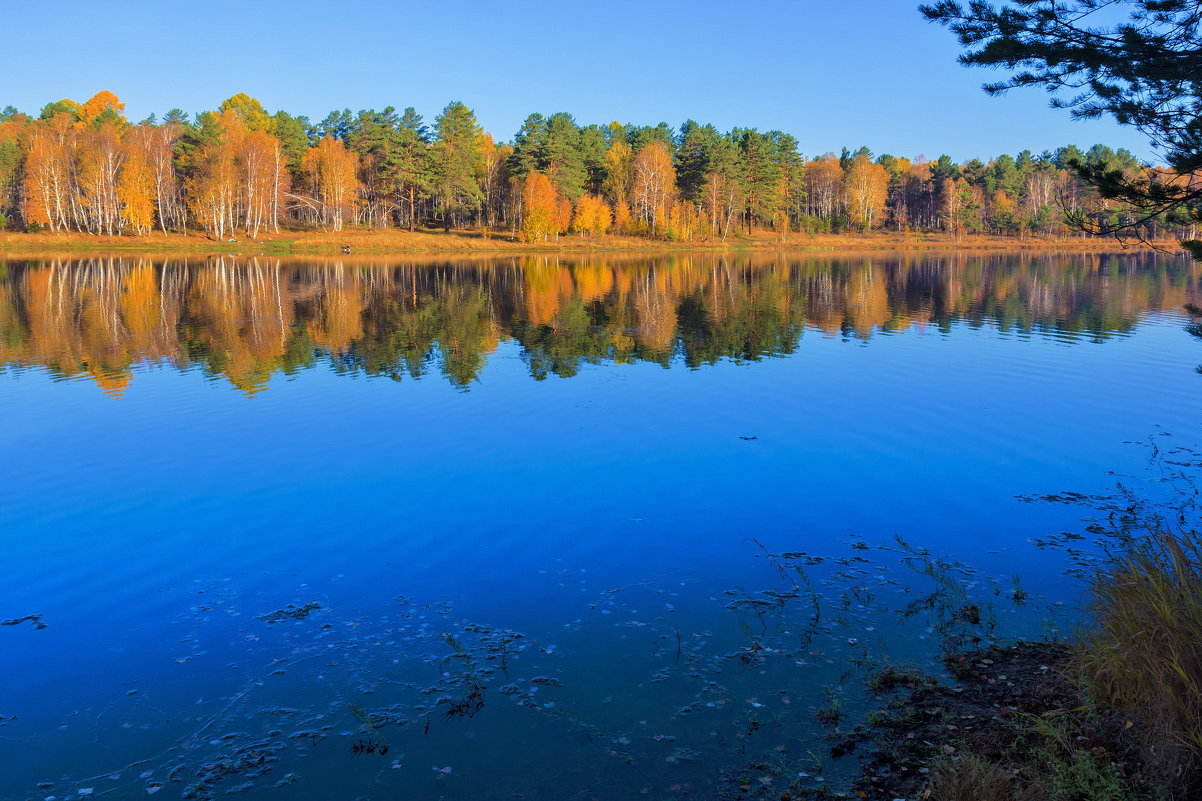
457	162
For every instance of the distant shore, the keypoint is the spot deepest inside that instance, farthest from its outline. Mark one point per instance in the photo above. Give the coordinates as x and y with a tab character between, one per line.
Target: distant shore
393	242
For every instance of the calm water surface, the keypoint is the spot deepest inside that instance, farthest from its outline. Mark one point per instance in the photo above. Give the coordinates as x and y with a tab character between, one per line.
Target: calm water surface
540	528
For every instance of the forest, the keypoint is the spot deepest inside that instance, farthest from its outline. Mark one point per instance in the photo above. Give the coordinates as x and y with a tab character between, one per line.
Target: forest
240	171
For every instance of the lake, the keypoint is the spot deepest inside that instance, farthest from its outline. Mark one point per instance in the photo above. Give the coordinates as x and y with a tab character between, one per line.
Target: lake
544	528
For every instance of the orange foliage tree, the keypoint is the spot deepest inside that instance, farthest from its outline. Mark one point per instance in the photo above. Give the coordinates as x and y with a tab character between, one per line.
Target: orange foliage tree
98	161
46	185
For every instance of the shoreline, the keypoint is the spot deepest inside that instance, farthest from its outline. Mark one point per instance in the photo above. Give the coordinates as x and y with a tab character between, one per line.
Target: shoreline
1004	720
391	242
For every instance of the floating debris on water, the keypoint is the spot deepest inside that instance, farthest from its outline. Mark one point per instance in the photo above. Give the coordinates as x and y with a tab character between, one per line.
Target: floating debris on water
291	612
369	747
707	680
36	620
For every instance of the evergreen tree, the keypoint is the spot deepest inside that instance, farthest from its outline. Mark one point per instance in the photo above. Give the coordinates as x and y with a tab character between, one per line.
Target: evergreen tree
337	124
294	138
593	146
638	137
528	145
697	144
1142	71
761	175
456	162
408	165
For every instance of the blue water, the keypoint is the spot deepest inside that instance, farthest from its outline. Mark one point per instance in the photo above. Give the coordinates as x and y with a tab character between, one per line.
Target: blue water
192	445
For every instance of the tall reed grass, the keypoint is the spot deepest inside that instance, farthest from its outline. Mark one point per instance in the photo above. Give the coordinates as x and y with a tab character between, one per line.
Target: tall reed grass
1141	646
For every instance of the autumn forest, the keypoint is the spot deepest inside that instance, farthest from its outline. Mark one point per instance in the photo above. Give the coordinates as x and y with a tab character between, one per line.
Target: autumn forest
242	172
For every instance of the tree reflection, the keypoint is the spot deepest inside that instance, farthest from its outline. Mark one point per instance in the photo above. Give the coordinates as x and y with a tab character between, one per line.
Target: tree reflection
247	320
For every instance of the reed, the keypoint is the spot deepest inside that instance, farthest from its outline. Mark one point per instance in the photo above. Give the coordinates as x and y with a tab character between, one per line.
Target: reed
1141	648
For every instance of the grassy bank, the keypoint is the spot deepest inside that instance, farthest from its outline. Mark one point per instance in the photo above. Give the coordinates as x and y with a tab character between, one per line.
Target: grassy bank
1115	715
1112	713
474	242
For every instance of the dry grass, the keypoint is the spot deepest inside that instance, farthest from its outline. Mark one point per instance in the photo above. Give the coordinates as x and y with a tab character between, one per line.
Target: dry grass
429	241
1141	653
970	778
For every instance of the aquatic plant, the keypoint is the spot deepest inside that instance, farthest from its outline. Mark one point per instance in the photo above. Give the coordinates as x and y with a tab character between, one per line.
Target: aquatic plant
36	620
291	612
832	711
960	621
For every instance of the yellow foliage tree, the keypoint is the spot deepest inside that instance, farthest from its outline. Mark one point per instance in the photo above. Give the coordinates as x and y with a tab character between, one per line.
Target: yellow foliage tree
93	111
333	173
619	173
136	182
98	159
592	215
824	187
250	111
264	180
540	207
1002	208
654	185
866	188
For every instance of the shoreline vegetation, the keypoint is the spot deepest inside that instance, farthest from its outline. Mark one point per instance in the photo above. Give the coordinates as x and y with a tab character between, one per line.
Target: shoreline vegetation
1110	713
241	173
472	243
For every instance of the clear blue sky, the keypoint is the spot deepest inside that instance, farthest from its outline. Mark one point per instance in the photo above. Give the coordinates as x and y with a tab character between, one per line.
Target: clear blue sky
830	73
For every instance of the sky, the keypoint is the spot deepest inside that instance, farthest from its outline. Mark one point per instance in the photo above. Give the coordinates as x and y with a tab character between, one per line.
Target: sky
831	74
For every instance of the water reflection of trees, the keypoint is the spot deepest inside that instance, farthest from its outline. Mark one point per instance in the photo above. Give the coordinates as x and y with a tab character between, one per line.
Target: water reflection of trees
247	320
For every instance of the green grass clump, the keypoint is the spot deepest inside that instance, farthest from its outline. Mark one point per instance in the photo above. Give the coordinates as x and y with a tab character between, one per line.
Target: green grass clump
1062	770
1080	776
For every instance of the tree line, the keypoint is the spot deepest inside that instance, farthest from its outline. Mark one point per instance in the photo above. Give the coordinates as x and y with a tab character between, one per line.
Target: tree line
241	171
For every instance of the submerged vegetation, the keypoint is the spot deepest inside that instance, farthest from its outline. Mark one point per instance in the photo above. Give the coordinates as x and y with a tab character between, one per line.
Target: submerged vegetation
1115	715
787	689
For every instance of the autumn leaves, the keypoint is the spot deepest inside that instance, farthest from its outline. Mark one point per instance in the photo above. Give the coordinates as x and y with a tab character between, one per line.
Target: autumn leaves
240	172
